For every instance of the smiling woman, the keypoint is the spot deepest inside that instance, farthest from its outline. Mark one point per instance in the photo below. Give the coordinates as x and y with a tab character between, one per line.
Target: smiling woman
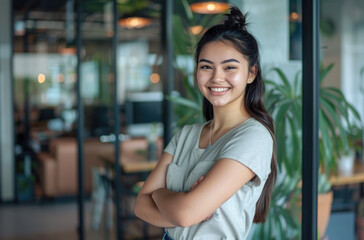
215	179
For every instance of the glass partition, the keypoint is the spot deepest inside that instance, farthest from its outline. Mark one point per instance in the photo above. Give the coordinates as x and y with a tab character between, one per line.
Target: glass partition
45	114
342	59
44	82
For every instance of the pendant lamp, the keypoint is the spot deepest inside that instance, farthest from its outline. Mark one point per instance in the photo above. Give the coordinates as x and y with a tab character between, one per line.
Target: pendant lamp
134	22
209	7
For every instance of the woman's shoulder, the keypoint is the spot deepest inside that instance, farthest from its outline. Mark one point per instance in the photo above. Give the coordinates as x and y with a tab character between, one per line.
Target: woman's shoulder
188	131
255	127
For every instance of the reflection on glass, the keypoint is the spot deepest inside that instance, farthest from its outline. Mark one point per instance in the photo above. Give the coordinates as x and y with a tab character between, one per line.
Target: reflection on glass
44	81
342	47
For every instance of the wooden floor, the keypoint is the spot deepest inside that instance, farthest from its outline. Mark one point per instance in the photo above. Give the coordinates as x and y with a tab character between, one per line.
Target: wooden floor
58	220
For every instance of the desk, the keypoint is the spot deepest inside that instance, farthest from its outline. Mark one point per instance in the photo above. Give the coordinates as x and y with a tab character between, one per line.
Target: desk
133	157
357	177
130	165
344	187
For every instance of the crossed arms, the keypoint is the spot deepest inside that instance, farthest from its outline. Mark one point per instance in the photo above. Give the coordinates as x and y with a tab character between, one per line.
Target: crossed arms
161	207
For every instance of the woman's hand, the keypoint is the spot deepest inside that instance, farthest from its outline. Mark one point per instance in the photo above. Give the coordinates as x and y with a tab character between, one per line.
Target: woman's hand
196	183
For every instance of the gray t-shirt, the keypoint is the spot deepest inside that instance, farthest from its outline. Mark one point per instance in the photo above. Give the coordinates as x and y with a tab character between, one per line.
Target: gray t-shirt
251	144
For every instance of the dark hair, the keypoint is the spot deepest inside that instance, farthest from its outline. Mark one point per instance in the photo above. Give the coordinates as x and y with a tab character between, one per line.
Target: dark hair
234	30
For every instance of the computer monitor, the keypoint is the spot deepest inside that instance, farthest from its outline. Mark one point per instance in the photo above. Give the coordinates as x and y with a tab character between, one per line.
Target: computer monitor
143	113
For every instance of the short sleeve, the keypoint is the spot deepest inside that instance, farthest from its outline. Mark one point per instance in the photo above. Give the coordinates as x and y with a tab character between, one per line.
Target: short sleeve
172	145
253	147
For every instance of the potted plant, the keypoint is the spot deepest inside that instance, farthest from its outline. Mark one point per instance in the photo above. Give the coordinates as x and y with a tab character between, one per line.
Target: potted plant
284	102
347	157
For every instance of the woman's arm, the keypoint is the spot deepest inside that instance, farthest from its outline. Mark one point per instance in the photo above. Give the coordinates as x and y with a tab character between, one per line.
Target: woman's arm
145	207
224	179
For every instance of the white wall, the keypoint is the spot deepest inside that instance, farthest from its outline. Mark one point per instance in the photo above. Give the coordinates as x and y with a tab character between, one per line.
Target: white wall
352	52
269	23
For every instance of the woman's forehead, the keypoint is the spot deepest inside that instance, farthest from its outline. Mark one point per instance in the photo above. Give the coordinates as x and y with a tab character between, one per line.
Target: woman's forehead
220	51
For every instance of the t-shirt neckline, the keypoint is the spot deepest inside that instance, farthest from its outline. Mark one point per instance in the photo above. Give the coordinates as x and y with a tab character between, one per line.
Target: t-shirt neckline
223	136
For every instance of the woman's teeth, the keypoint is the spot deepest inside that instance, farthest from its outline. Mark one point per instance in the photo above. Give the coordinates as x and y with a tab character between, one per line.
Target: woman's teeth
219	89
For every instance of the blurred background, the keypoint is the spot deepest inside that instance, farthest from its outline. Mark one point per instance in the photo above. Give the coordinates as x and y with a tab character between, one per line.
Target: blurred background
83	83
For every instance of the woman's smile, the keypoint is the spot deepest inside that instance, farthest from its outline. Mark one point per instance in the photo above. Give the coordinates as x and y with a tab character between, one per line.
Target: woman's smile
219	90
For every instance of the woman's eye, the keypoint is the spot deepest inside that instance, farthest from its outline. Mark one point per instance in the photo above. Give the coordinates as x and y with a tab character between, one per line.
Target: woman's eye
205	67
230	67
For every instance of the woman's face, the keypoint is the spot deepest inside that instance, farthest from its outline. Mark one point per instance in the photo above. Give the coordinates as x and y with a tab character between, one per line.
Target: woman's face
222	74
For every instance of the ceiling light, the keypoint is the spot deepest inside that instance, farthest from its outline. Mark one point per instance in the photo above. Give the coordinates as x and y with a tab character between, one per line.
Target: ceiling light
195	30
209	7
134	22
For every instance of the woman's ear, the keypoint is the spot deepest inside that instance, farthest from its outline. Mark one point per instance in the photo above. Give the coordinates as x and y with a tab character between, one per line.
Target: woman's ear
252	74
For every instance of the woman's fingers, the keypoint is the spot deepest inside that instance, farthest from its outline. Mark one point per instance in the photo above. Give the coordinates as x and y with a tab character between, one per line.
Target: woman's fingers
196	183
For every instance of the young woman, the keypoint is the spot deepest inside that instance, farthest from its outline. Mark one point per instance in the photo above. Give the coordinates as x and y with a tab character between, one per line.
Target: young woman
215	179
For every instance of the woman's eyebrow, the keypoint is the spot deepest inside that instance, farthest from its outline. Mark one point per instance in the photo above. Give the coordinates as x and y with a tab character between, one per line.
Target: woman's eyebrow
225	61
230	60
205	60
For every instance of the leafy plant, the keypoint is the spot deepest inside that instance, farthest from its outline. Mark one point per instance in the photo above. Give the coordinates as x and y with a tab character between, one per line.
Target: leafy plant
188	109
284	102
280	222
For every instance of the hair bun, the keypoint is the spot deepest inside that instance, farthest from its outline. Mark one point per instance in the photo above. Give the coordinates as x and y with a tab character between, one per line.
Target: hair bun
236	19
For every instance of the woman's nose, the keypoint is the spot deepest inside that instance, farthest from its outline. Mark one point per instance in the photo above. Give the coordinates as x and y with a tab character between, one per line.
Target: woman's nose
218	75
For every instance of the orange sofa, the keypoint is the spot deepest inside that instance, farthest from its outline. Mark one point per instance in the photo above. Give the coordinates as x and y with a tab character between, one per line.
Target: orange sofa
58	167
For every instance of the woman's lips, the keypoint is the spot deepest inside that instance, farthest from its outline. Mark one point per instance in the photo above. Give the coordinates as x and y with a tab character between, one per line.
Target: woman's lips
218	90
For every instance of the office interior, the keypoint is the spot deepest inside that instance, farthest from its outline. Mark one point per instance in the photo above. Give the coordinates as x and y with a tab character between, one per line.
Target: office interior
76	77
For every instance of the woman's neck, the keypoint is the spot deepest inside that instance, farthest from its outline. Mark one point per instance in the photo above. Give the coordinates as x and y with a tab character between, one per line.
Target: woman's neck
225	119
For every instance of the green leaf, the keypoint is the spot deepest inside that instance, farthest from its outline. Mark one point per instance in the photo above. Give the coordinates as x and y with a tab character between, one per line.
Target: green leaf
326	107
281	89
284	79
295	145
289	219
325	71
298	83
332	118
325	137
337	100
339	126
187	9
190	89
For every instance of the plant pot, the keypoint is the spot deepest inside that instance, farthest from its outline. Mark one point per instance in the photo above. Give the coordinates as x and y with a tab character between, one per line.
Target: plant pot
24	188
324	203
346	163
359	228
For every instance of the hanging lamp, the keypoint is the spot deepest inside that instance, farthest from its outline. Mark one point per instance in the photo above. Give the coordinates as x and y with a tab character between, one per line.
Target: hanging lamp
134	22
209	7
